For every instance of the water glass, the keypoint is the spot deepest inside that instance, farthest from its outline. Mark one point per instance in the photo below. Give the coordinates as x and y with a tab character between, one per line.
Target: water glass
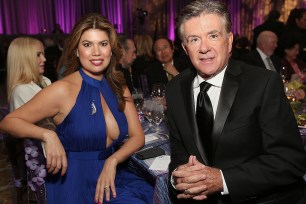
158	90
157	114
147	109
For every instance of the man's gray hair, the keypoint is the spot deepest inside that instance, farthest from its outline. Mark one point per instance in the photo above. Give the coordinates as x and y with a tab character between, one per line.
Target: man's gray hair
198	7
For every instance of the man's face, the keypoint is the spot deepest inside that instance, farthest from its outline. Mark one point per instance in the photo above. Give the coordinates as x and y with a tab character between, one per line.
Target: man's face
207	44
269	44
129	55
163	51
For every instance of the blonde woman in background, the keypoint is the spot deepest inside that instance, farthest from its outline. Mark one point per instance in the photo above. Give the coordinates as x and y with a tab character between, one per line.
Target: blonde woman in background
25	68
144	57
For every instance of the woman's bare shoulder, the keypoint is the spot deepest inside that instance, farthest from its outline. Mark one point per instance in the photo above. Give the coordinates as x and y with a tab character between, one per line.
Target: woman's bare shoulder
66	86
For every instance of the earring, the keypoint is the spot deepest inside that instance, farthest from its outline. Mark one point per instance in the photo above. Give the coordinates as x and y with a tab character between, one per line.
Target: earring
77	53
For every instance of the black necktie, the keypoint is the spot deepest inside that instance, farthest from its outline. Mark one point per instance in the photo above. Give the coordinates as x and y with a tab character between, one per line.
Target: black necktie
205	118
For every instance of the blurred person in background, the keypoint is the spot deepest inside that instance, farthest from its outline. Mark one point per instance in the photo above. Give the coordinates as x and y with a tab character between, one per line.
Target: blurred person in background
290	60
166	66
263	56
25	68
144	57
296	28
125	63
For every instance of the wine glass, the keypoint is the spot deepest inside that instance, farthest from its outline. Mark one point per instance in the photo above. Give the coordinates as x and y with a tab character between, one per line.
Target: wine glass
138	100
290	93
157	114
283	73
147	110
158	93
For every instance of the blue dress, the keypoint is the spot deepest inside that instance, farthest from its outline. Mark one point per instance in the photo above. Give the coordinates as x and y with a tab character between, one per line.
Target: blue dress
83	135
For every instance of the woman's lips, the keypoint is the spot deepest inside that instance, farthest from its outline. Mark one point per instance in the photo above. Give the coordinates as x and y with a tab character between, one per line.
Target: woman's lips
96	62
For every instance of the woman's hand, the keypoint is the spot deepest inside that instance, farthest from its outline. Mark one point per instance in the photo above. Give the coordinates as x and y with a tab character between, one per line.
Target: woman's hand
55	153
106	181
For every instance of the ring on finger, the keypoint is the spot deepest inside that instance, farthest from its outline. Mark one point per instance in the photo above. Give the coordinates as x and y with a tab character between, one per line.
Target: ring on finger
187	192
106	187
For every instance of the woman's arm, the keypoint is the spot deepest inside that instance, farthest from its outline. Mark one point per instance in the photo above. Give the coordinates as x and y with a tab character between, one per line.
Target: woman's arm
105	182
20	123
135	132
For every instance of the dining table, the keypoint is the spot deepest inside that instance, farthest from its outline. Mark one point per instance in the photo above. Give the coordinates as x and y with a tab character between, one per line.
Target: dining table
155	137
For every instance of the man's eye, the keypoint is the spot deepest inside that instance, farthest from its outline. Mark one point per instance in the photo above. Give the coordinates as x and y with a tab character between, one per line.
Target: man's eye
194	40
213	36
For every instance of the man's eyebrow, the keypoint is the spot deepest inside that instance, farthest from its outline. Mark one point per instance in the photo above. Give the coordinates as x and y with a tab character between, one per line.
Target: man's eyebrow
209	32
214	31
191	36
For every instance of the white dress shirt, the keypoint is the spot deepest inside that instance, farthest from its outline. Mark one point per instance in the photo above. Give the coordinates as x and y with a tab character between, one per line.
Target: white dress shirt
264	59
214	95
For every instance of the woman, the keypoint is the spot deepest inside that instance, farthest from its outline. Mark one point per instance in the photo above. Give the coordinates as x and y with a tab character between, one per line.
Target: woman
94	113
144	58
290	60
25	68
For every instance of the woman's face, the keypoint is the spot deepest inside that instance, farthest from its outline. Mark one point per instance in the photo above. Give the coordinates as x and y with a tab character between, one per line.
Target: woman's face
94	52
292	53
40	53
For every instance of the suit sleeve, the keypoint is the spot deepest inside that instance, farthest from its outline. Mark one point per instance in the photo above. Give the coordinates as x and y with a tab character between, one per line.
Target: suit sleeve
282	161
179	155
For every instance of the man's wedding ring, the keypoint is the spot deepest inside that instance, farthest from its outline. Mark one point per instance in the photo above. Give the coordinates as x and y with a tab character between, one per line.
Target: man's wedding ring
187	192
106	187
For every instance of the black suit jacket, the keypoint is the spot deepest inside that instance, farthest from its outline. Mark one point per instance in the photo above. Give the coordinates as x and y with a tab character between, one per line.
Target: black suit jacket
253	58
256	141
156	73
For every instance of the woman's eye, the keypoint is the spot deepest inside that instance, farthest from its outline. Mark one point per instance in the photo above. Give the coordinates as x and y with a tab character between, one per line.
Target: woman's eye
86	44
40	53
104	44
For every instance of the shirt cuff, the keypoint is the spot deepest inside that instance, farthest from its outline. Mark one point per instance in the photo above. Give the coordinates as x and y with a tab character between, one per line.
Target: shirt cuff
172	180
225	189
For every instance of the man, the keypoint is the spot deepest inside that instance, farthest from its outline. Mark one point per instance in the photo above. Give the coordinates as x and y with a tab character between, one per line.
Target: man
253	152
263	56
272	24
165	67
127	59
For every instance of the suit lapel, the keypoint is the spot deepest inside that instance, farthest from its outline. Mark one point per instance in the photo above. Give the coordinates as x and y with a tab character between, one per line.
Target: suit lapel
228	93
186	85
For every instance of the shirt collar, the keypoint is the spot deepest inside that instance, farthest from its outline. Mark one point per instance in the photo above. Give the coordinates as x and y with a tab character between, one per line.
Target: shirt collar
262	55
214	81
164	64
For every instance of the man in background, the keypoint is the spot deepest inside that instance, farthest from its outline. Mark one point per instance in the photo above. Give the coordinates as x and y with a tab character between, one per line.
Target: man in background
166	66
263	56
127	59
